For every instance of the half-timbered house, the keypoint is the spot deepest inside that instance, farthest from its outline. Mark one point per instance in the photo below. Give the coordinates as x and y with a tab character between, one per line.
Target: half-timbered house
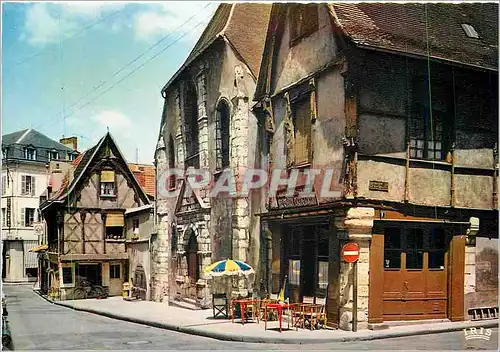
400	102
84	215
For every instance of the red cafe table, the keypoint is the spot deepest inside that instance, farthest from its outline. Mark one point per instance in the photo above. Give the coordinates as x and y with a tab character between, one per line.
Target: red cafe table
279	307
243	308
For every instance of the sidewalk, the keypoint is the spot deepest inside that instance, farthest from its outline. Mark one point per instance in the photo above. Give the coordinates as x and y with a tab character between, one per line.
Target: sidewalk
200	322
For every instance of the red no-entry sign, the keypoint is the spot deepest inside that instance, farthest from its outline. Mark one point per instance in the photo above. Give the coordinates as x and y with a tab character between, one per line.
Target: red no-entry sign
350	252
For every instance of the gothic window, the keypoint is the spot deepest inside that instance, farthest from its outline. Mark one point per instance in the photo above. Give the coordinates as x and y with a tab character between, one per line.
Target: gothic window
171	162
222	136
303	21
191	127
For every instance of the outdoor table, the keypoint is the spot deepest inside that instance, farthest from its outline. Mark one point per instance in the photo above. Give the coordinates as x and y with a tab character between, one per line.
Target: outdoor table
279	307
243	307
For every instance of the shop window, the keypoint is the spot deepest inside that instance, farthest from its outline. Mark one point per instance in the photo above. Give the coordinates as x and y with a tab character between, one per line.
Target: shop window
301	110
294	272
222	136
68	276
392	248
108	183
303	21
114	271
436	248
322	275
414	249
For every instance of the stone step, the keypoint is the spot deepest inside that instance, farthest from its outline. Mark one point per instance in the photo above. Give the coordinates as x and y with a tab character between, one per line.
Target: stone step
191	304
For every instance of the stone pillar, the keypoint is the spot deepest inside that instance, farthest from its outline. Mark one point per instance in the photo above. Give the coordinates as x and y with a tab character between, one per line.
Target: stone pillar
160	277
358	224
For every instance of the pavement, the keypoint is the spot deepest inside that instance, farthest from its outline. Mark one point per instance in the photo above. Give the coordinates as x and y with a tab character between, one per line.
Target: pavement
201	323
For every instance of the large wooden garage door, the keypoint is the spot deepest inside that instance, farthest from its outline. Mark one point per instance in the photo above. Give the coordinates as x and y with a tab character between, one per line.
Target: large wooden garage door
415	273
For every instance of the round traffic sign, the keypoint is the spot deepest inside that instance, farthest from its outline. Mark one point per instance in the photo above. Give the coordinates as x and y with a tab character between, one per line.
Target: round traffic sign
350	252
38	229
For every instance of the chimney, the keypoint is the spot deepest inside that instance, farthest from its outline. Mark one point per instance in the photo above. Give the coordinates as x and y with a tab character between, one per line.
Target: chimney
70	142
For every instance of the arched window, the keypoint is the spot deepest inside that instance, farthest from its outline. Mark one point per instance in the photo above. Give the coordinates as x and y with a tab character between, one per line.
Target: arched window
191	125
222	136
171	162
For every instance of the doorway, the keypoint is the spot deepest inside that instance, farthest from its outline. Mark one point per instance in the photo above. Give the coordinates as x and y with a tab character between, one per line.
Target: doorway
415	272
193	264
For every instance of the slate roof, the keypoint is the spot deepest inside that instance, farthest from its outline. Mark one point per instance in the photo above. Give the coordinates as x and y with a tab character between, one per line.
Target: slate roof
417	28
244	25
16	141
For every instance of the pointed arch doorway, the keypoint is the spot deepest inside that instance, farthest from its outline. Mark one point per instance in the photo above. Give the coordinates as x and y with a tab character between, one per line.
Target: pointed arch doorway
192	263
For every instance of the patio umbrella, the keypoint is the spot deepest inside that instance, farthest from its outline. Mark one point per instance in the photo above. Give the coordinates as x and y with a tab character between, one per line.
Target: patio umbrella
228	267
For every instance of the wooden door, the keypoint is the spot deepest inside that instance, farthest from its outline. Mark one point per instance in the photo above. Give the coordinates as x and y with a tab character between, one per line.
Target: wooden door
192	261
414	279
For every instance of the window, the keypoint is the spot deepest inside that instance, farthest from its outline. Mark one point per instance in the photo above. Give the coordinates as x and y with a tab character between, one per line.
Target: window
4	185
470	31
28	217
294	272
53	155
301	111
429	116
4	217
172	180
191	127
303	21
114	226
30	153
323	275
108	183
135	226
222	136
68	276
436	248
414	249
114	271
392	248
71	156
27	185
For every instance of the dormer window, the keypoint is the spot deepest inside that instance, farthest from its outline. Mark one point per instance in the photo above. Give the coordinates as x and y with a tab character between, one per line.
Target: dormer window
29	153
303	21
71	156
53	155
4	152
108	183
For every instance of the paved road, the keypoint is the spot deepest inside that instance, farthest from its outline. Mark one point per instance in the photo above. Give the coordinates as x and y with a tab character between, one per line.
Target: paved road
38	324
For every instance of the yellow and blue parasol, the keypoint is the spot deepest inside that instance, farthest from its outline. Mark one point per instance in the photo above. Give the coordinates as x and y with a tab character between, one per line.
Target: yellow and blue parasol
228	267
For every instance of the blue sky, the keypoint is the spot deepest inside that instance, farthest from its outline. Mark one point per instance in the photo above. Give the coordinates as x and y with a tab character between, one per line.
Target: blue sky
55	54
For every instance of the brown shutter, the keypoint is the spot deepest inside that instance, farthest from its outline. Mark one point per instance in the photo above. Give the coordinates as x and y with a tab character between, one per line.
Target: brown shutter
107	176
302	131
114	219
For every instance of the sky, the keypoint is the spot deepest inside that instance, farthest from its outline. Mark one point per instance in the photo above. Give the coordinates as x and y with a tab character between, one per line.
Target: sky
67	67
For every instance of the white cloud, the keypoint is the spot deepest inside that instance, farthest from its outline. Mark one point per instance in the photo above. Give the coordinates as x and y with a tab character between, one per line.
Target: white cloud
163	18
117	122
47	23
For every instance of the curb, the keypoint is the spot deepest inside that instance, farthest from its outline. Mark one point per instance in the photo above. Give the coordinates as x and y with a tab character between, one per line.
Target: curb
280	340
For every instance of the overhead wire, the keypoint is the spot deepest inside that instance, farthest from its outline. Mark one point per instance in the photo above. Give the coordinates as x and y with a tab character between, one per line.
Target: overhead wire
135	60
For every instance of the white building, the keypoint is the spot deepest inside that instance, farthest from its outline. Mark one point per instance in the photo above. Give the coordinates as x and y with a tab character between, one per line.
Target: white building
26	156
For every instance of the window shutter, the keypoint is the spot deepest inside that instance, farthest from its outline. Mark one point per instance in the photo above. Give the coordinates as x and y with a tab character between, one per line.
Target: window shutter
33	186
23	217
3	184
114	219
302	131
23	185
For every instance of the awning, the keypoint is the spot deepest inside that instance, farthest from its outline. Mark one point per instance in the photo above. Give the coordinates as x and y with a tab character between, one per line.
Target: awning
43	247
107	176
114	219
